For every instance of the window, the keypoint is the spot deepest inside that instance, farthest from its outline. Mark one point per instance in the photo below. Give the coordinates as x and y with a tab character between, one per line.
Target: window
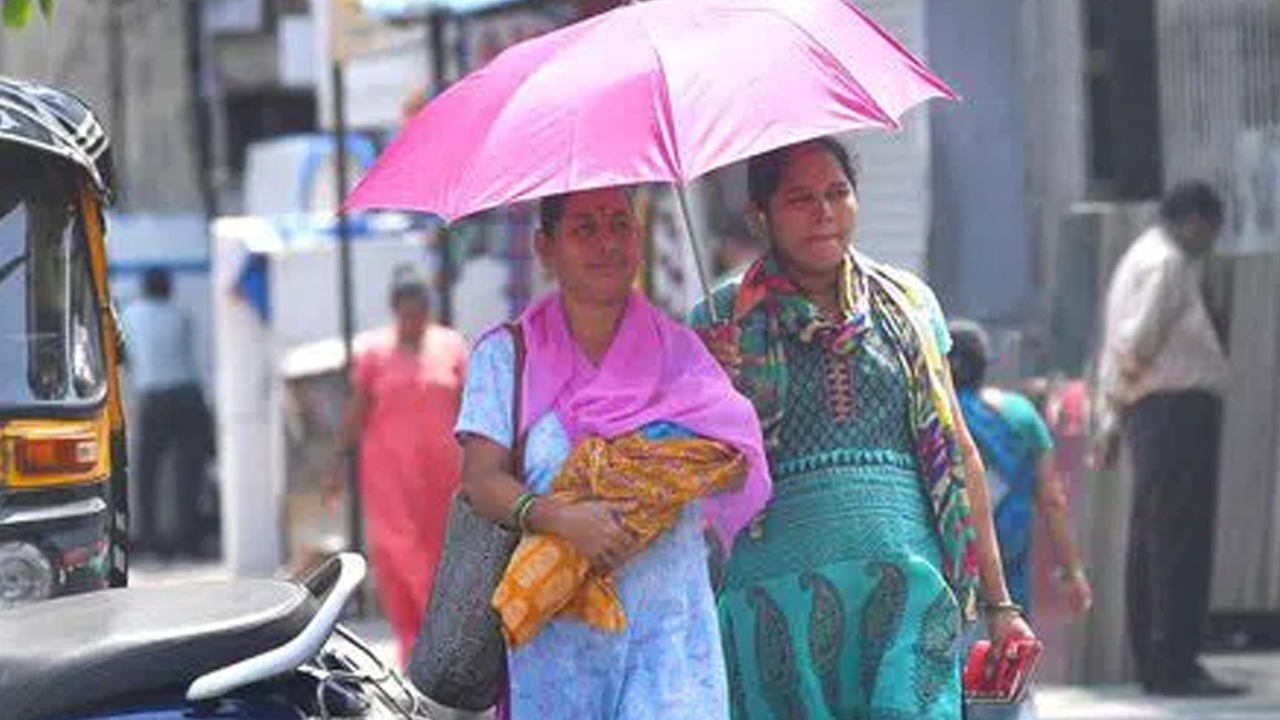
50	330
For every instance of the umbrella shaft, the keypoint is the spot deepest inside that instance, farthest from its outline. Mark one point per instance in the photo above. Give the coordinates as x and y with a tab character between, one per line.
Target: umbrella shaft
697	256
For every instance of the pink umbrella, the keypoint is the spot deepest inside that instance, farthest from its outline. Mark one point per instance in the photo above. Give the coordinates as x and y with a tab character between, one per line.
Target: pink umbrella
661	91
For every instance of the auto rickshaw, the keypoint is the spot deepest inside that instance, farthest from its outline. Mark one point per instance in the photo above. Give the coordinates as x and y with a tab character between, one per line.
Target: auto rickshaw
63	478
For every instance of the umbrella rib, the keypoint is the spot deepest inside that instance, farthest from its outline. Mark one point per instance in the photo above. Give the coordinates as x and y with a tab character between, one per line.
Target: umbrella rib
918	66
671	144
868	98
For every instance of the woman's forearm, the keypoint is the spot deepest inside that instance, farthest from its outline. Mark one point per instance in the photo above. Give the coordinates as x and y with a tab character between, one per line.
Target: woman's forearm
1064	549
493	495
353	414
496	498
1051	498
494	492
990	566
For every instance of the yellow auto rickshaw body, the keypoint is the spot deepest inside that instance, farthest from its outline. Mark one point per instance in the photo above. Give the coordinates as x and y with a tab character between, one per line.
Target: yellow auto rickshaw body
63	470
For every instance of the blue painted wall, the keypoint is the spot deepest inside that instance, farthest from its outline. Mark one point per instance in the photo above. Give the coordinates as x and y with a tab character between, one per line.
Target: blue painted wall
981	257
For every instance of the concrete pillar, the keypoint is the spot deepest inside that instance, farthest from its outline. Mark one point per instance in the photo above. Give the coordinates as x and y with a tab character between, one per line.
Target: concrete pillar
979	258
1246	578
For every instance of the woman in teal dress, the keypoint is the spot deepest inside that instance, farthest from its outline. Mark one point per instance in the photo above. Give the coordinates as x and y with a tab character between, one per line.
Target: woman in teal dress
846	597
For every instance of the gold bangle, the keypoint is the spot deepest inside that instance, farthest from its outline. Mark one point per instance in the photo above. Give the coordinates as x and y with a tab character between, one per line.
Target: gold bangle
1005	607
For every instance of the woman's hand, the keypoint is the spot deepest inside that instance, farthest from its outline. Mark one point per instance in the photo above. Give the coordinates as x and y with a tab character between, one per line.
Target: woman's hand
333	483
1079	594
722	341
1104	451
1004	625
593	529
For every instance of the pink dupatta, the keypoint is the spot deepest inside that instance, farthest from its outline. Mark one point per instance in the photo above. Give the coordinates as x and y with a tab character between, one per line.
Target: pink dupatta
655	370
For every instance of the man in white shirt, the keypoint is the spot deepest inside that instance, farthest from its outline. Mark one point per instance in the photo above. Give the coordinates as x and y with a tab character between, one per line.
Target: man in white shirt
172	416
1162	370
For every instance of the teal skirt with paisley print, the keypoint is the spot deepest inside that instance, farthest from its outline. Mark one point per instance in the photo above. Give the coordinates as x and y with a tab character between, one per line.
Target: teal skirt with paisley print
835	606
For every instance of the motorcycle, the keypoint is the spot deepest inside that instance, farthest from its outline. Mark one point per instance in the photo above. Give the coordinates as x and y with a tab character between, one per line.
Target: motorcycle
243	649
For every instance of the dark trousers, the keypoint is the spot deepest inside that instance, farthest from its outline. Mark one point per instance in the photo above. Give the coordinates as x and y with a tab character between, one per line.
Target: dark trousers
165	517
1173	439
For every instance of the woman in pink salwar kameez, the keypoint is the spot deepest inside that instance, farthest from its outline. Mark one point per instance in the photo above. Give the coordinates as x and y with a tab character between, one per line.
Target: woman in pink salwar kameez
406	389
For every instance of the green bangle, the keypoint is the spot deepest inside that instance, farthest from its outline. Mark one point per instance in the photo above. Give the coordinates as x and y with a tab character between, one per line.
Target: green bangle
522	518
515	520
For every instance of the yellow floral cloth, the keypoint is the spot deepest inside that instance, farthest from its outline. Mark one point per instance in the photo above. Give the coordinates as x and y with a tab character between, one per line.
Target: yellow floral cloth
656	478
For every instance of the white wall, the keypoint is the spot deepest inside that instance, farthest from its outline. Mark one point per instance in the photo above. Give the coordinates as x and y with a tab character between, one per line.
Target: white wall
305	308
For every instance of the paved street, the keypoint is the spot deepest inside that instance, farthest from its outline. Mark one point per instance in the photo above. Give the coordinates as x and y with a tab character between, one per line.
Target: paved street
1261	672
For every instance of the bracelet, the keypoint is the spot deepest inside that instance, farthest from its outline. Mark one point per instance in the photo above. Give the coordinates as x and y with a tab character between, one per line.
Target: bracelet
522	517
515	521
1068	573
1004	607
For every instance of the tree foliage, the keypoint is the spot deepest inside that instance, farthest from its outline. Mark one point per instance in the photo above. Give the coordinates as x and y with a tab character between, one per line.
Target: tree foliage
17	13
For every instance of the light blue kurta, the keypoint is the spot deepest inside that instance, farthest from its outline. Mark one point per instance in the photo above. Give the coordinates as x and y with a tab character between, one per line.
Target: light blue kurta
668	663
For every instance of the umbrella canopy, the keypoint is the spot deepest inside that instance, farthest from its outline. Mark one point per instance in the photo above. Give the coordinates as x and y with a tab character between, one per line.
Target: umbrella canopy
661	91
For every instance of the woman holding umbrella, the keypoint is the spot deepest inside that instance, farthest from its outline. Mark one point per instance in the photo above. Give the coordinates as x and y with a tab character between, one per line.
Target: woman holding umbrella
845	597
601	362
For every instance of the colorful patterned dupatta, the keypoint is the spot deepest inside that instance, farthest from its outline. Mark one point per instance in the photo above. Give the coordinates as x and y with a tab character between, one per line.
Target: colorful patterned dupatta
769	306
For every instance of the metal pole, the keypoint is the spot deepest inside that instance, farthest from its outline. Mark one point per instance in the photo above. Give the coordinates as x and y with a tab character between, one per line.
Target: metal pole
119	110
697	256
201	108
439	70
355	518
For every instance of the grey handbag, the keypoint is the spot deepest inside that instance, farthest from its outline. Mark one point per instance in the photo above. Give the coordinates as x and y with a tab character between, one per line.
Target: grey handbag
459	658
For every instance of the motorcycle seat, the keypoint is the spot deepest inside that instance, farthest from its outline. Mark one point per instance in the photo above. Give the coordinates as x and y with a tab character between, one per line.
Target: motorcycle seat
97	649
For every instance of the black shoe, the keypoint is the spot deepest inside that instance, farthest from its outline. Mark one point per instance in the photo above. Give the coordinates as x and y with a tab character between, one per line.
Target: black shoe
1197	687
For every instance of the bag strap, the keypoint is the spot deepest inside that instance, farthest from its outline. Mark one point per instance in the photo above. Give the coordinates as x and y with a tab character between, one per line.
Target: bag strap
517	402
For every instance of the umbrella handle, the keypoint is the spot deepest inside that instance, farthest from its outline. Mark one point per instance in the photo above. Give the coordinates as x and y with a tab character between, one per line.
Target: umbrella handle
697	256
